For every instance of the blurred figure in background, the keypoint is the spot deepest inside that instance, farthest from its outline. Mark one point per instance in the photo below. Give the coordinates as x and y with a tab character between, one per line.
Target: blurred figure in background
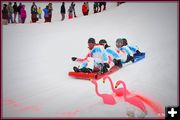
19	14
63	11
70	12
84	9
39	11
46	14
87	7
10	12
15	7
4	15
102	4
95	7
23	14
50	9
34	13
73	8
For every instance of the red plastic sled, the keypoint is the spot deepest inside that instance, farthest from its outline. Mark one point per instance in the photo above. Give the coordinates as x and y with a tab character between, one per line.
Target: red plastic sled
88	76
97	76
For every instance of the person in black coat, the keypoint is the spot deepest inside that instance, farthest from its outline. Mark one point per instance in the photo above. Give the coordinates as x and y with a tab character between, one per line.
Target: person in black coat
15	7
102	4
5	15
19	12
34	13
73	8
63	11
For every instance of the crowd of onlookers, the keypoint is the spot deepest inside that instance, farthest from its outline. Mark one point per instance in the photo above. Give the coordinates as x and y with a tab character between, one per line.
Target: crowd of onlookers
11	12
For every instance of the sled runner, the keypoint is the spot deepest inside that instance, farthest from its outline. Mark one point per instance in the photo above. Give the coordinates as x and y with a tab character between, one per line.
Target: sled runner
97	76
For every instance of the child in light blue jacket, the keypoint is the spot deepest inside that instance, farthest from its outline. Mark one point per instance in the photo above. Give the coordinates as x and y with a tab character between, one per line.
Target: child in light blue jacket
131	50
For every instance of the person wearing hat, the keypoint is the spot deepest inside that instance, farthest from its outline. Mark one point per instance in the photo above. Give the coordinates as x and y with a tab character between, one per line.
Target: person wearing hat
121	47
133	48
130	50
114	57
95	61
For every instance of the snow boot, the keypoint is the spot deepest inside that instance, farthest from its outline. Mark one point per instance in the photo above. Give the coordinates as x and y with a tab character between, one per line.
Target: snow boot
130	58
86	70
76	69
138	53
104	69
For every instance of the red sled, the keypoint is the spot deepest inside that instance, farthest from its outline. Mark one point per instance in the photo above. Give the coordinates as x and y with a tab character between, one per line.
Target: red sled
96	76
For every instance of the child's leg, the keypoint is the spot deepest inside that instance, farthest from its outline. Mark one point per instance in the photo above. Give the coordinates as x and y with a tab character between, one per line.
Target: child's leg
90	63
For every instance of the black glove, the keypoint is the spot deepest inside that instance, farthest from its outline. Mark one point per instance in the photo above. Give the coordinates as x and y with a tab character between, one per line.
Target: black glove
117	63
74	58
106	65
105	68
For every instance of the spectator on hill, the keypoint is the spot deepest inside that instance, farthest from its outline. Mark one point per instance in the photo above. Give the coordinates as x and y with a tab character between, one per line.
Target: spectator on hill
39	11
19	15
84	9
50	9
34	13
87	7
15	7
73	8
63	11
23	14
95	7
10	12
46	14
70	12
4	15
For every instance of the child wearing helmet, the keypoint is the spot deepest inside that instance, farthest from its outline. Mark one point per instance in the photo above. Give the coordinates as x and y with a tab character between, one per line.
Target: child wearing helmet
113	56
121	48
95	60
122	44
133	48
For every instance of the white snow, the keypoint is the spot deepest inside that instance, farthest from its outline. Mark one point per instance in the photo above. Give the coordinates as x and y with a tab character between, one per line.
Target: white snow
37	59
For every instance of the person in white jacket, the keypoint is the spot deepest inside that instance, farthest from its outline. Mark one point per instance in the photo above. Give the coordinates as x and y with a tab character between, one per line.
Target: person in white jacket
95	61
130	50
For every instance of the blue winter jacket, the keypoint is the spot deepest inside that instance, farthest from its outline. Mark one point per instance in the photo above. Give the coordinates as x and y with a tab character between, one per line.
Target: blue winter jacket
46	14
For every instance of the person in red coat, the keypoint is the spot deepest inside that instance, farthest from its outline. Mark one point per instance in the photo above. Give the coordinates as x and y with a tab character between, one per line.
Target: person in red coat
84	9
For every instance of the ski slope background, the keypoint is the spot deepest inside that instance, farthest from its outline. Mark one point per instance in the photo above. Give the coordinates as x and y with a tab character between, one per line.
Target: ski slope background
37	59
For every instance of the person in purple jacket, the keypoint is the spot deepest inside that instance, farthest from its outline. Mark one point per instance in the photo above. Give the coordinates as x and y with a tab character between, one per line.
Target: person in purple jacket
23	14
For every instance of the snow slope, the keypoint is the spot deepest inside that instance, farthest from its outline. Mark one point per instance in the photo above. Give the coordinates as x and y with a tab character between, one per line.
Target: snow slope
37	59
